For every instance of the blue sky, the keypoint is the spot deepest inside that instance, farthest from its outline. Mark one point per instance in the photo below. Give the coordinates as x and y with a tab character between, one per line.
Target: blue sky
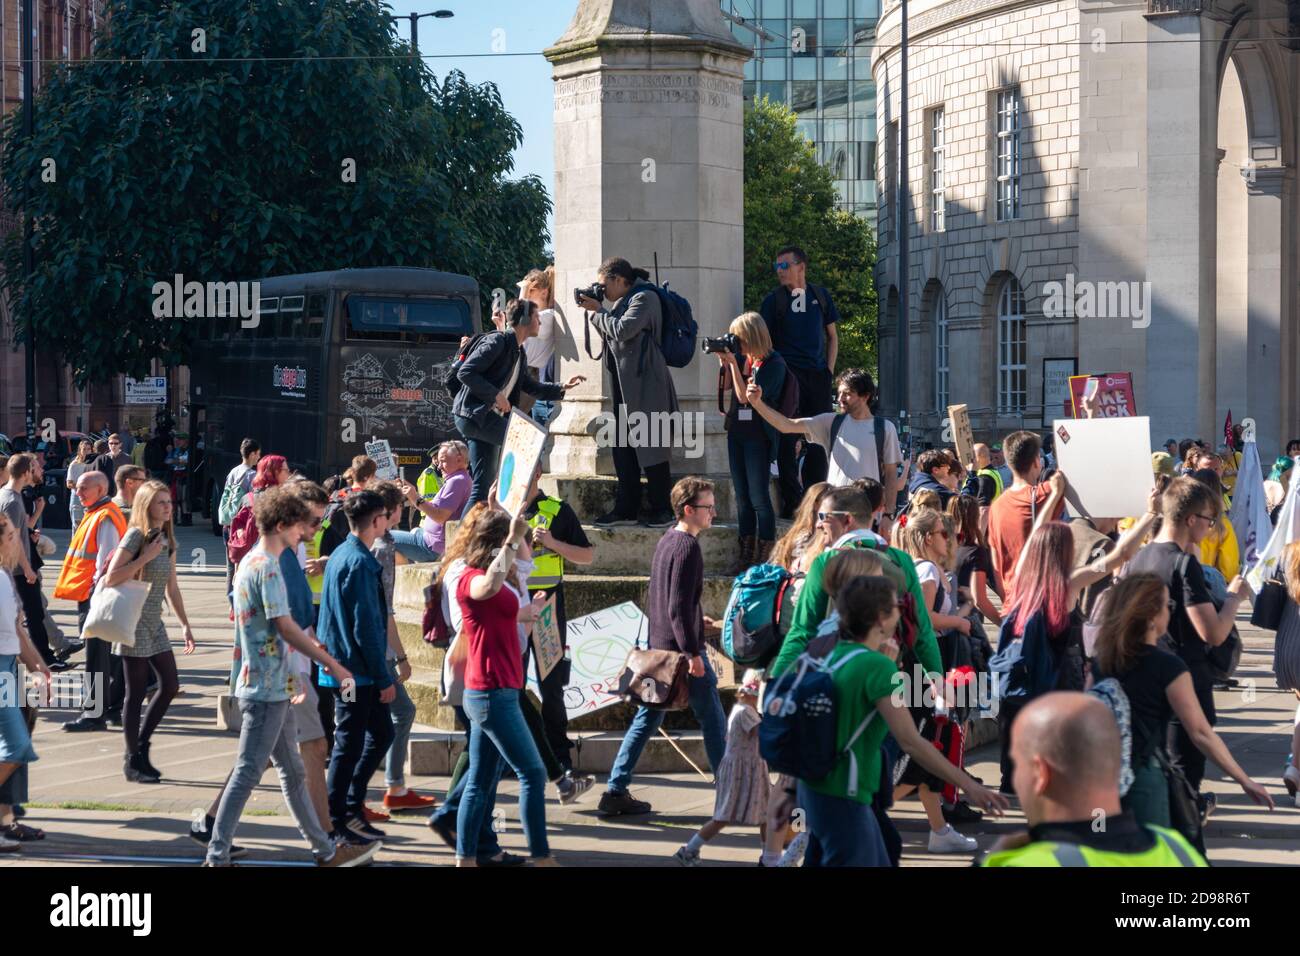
524	81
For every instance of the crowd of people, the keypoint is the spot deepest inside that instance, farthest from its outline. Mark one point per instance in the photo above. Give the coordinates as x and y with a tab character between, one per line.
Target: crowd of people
914	581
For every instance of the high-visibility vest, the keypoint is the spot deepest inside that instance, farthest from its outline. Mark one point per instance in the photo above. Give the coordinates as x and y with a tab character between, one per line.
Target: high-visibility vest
316	581
1171	849
428	484
77	578
548	567
997	479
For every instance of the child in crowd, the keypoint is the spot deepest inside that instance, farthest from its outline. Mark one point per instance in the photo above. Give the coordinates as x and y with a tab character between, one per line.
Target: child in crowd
742	776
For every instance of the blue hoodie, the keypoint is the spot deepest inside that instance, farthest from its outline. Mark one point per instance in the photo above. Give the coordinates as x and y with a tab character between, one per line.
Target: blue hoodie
922	481
353	623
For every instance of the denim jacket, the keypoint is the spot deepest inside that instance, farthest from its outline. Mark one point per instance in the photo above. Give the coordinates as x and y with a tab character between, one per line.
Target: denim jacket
353	623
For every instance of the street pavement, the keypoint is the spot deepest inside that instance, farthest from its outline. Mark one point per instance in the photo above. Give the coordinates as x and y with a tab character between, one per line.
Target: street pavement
94	816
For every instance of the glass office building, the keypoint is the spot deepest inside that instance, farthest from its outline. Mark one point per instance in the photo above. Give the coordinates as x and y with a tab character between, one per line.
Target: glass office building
818	61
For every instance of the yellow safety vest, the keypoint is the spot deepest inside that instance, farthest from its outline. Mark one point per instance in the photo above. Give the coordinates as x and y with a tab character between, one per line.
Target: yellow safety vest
316	581
1171	849
428	484
997	479
548	567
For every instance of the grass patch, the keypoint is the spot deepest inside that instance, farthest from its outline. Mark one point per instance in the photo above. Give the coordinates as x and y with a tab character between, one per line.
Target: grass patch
98	807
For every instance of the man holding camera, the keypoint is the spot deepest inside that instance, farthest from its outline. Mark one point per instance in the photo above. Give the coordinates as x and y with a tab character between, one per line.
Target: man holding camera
801	319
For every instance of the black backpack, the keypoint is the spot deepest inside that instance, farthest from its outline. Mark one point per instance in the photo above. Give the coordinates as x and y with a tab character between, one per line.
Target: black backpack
452	383
783	301
880	441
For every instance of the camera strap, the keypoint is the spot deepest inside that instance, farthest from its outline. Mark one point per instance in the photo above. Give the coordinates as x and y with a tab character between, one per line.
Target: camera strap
586	335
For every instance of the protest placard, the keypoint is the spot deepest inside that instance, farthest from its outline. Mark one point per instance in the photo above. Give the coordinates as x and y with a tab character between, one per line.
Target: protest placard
1108	464
598	647
959	416
547	643
381	453
519	456
1115	396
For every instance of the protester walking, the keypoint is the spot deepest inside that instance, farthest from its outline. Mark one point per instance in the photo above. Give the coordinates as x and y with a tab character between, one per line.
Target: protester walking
640	385
23	469
148	552
238	485
1012	514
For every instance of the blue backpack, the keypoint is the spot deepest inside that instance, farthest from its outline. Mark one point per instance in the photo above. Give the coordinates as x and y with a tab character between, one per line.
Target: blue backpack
758	615
679	330
797	735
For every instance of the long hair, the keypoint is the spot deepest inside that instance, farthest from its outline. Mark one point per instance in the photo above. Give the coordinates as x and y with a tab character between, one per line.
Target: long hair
268	471
84	457
803	530
754	337
544	279
1043	582
1291	570
464	534
965	513
490	534
140	512
920	525
1131	604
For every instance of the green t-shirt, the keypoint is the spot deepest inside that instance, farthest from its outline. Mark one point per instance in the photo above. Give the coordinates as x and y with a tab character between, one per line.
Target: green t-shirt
859	683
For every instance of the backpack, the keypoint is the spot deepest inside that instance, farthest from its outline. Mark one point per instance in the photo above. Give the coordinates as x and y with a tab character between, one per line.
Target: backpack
243	533
758	614
679	328
231	498
435	627
1111	693
788	402
334	526
451	382
1225	657
797	733
838	423
783	302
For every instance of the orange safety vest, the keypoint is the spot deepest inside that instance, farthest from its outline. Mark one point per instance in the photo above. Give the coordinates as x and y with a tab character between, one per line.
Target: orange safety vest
78	575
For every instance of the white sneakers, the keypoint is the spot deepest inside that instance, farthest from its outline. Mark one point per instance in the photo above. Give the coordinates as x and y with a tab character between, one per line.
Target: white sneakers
1291	780
949	840
687	857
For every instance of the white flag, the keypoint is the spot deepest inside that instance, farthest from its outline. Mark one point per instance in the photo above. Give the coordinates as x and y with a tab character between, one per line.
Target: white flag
1287	530
1249	514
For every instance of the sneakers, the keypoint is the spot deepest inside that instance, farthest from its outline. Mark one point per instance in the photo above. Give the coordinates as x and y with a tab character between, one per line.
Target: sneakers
359	825
686	856
201	833
793	855
659	519
9	846
347	835
961	812
615	520
409	801
949	840
502	859
571	786
374	816
84	724
620	804
348	854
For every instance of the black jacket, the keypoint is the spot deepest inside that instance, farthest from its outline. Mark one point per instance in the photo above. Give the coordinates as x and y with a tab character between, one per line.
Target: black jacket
485	372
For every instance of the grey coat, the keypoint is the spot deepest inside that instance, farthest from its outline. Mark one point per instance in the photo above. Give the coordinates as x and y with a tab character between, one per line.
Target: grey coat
631	334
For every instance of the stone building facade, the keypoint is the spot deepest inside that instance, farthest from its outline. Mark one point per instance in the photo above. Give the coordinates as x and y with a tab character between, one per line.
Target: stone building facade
1112	183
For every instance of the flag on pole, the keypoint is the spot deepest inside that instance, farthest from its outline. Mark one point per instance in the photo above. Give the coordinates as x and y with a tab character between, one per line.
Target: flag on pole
1227	433
1287	530
1249	514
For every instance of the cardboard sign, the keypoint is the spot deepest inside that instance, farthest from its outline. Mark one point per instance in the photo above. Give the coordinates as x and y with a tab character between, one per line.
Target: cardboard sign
598	646
1115	394
724	668
961	433
547	643
382	454
519	457
1108	464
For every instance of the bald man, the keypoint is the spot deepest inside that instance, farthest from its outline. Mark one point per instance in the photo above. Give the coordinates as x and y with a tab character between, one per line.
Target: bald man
1066	748
983	481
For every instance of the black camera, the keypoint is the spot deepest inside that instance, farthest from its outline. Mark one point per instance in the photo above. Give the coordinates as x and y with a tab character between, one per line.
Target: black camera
595	291
723	343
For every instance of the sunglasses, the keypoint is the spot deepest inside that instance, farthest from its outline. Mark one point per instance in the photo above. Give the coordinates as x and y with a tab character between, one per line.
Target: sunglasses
827	515
942	531
782	266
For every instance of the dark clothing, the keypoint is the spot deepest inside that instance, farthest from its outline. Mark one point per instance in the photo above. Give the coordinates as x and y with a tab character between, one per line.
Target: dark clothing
34	614
751	479
980	487
800	336
108	465
30	495
363	732
155	454
770	376
1122	834
673	598
486	371
1146	684
353	618
927	482
628	468
566	528
793	478
972	558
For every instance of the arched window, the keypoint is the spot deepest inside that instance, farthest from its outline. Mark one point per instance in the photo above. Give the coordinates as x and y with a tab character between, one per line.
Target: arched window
939	309
1012	348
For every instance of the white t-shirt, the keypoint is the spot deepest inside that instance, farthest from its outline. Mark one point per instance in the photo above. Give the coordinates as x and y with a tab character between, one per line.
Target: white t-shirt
541	347
8	615
929	571
854	454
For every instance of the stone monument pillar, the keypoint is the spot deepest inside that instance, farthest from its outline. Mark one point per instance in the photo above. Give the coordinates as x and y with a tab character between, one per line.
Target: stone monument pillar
648	162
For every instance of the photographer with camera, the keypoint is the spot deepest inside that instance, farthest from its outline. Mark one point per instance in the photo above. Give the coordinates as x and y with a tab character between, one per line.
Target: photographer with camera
642	386
493	375
751	442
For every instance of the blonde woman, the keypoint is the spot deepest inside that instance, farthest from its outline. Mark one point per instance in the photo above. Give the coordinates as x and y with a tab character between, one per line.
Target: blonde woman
538	288
804	541
751	442
148	552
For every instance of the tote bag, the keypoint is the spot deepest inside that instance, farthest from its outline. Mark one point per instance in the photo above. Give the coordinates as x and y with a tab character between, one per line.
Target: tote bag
115	612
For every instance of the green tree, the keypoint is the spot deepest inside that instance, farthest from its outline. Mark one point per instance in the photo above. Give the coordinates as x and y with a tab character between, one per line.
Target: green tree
225	155
790	199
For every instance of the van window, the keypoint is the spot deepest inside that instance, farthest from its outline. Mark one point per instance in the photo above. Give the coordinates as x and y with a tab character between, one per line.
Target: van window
411	321
314	321
291	312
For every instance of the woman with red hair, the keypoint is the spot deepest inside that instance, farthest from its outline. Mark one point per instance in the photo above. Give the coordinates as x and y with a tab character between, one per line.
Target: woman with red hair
272	471
1040	645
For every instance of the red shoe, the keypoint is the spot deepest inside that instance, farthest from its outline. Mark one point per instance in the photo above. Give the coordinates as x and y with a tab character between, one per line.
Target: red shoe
409	801
375	816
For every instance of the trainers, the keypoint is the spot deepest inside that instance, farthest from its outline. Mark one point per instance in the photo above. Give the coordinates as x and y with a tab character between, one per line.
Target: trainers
961	812
346	835
949	840
571	786
659	519
686	856
502	859
793	854
348	854
83	724
409	801
359	825
201	833
620	804
9	846
614	520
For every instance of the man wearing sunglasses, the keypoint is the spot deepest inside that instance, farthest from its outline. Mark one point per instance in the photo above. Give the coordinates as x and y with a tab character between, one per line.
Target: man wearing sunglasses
801	319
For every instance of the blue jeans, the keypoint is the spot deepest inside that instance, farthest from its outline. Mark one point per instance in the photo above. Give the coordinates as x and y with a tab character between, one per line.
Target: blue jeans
402	710
484	458
499	734
543	411
841	832
268	730
488	845
363	731
751	474
708	711
412	545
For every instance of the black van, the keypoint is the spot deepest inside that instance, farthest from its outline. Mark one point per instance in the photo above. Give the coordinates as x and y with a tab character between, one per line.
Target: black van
335	359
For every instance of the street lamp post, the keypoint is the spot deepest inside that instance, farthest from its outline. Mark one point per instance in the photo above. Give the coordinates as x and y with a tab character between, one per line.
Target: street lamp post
903	205
29	264
415	25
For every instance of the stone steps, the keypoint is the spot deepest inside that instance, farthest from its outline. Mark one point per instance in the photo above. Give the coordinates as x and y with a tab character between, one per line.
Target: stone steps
593	495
